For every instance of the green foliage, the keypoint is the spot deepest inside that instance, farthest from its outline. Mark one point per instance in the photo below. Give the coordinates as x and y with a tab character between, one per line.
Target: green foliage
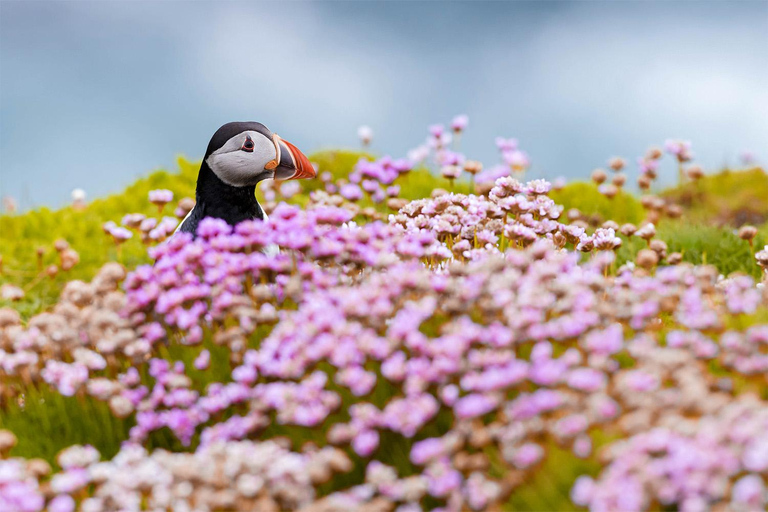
701	244
728	198
22	235
585	196
47	422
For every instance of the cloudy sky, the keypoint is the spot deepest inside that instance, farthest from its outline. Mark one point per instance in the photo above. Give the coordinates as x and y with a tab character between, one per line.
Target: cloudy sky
94	94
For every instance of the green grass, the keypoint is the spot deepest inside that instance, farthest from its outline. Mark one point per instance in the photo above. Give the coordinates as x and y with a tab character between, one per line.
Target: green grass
21	235
584	196
48	422
702	244
696	235
728	198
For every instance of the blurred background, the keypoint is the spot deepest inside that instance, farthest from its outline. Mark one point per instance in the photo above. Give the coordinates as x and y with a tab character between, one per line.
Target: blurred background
95	94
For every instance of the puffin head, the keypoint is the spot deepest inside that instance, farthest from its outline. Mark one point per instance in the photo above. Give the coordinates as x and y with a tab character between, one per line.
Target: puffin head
241	154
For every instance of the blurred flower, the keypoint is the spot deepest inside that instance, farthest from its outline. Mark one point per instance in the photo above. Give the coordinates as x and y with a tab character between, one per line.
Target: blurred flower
351	192
9	204
459	123
184	206
160	198
516	159
120	234
289	189
506	145
694	172
365	134
680	149
11	292
450	172
616	163
748	158
78	198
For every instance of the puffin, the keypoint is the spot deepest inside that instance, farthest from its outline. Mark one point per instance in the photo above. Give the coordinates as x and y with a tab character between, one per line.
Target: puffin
239	156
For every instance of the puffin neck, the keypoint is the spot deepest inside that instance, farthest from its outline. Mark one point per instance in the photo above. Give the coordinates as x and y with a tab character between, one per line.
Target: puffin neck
217	199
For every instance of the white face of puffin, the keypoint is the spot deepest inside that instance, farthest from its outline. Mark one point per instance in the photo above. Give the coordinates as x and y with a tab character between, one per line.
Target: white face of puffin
242	160
250	157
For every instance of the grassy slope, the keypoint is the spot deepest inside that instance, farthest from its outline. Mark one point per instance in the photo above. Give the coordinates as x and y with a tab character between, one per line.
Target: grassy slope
21	235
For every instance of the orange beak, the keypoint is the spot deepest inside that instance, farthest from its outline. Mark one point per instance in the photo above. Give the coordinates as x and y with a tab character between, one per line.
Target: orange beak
303	167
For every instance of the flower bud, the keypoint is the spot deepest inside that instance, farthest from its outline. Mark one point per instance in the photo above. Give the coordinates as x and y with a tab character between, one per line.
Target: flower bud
628	229
473	166
38	468
609	190
619	180
61	245
616	163
653	153
674	211
599	176
69	259
747	232
396	203
675	258
695	172
7	441
659	247
647	259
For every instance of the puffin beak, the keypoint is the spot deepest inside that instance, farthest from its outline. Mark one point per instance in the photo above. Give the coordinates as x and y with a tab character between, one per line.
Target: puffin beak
293	164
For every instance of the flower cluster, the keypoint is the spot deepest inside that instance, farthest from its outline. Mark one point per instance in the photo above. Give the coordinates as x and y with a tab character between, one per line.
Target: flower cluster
233	476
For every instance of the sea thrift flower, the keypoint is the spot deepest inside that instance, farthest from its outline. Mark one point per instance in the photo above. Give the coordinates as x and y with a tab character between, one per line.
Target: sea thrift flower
351	192
203	360
11	292
365	134
459	123
680	149
160	198
120	235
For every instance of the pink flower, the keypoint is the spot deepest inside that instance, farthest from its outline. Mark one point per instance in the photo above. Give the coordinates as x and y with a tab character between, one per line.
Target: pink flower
474	405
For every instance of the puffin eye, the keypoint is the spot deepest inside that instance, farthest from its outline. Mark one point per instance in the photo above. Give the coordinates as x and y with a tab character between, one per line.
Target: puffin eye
248	144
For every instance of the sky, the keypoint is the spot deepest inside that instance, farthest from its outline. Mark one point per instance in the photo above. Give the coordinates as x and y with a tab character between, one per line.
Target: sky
96	94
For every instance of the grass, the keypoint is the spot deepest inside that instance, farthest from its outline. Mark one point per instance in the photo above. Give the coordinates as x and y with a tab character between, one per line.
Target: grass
728	198
702	244
22	235
48	422
584	196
